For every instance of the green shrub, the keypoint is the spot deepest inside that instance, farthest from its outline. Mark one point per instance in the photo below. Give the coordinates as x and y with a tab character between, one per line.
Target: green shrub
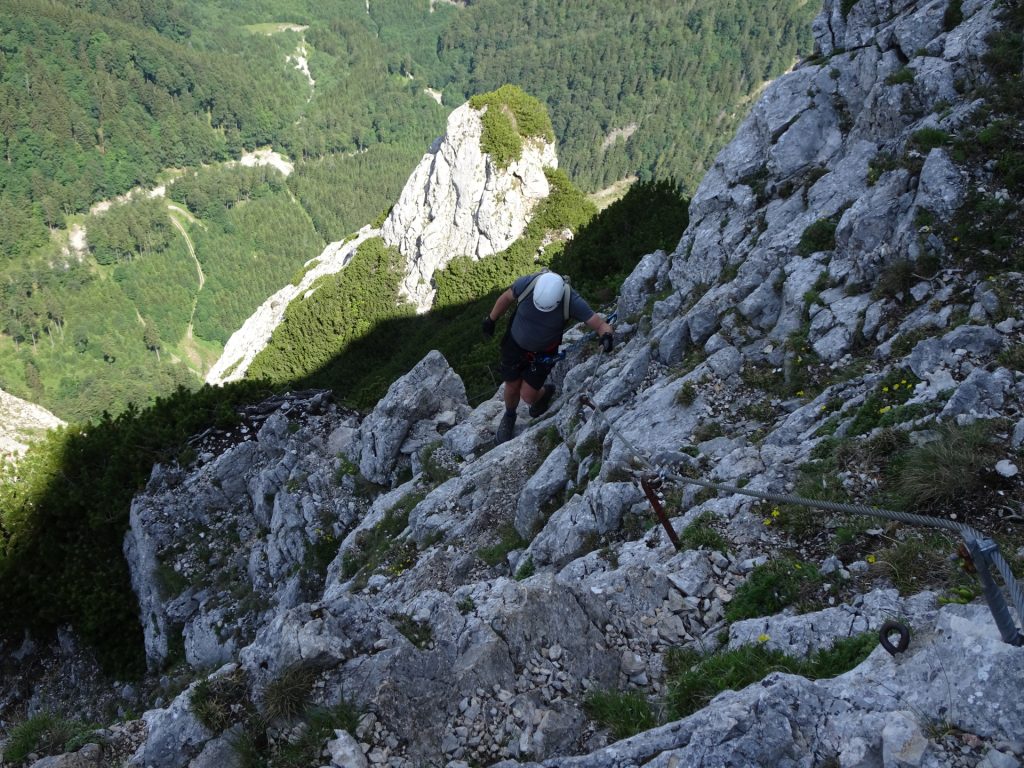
686	394
888	395
772	587
819	236
526	569
707	430
880	164
419	633
953	16
434	470
919	561
1012	357
510	116
252	749
929	138
624	714
895	280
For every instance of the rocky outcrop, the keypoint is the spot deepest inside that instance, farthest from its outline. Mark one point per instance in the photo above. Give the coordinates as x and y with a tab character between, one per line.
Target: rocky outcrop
254	335
21	422
459	202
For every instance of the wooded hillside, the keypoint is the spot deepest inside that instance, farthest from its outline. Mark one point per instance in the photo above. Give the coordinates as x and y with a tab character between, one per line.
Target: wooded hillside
101	96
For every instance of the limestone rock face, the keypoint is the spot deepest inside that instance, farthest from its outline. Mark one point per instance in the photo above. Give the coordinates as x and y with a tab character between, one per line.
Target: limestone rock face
20	423
458	202
429	390
254	335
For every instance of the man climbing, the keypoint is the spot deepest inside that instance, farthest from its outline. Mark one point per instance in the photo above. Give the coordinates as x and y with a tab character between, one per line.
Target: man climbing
529	348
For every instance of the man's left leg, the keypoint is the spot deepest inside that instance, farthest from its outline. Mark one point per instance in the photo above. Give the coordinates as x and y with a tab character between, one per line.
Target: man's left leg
535	392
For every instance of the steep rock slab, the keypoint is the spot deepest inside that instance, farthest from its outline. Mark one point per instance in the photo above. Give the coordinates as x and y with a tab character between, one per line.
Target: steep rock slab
254	335
458	202
20	423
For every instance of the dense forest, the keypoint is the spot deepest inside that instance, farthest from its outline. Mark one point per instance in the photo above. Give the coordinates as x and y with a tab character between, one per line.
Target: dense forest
98	97
646	89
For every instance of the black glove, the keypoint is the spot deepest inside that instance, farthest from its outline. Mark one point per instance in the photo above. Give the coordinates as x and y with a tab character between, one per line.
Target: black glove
606	342
488	327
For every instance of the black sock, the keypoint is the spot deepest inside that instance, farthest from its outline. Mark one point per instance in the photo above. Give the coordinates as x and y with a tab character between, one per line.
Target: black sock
510	413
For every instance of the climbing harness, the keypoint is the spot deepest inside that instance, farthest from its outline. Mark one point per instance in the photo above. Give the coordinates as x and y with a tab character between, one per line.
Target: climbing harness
983	550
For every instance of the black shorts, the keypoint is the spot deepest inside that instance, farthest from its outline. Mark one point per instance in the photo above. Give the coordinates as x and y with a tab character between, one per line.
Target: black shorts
517	363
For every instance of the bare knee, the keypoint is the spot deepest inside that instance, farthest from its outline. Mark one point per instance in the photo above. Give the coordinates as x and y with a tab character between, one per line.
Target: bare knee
529	394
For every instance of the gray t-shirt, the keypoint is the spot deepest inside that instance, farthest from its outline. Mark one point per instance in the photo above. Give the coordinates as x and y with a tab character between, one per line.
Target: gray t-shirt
537	331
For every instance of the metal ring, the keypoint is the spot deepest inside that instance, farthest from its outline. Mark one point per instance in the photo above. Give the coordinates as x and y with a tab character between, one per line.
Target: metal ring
901	644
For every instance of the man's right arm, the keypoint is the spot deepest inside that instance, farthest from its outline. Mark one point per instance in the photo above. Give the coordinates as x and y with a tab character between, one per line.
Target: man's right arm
505	300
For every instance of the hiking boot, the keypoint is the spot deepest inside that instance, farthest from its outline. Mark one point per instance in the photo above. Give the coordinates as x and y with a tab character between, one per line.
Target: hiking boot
506	429
543	402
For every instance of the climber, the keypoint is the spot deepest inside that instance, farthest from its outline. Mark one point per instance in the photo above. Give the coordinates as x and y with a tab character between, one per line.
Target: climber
529	348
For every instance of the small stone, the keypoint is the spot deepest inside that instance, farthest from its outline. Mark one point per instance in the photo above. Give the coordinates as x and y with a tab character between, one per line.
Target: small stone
1006	468
632	664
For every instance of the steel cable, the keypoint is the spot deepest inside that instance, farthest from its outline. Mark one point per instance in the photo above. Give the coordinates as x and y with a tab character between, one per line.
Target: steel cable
992	554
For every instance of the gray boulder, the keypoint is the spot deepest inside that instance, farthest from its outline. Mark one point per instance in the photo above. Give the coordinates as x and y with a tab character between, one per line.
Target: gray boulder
429	389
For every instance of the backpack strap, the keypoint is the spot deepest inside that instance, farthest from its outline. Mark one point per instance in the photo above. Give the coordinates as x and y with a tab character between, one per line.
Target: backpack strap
527	290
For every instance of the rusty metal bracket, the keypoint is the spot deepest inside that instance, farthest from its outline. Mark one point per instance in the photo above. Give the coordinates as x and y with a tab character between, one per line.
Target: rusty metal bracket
652	497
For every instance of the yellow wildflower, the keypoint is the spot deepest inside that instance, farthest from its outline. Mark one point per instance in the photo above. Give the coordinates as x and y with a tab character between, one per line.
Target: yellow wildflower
775	512
763	638
870	558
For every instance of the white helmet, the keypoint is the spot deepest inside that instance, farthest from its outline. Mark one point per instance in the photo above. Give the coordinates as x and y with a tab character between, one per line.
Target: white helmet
547	293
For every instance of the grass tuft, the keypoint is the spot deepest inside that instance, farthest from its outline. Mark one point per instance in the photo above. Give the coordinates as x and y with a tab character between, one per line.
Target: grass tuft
287	696
771	587
45	734
218	702
693	680
624	714
947	468
700	533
